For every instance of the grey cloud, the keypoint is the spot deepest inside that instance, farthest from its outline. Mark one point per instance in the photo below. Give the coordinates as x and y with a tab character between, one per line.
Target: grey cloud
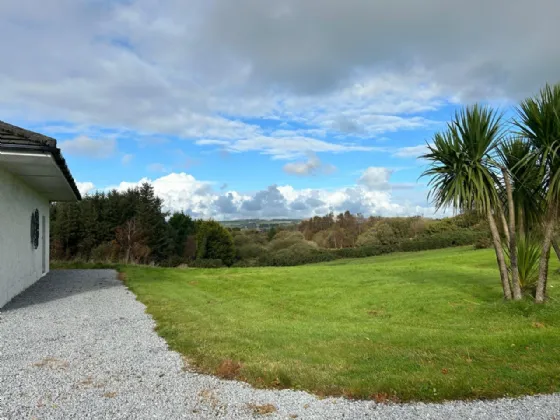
268	203
298	205
314	202
348	126
311	166
176	67
315	45
224	204
205	189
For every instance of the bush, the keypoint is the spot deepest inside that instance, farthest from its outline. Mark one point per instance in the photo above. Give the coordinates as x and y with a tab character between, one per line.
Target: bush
207	263
483	242
442	240
368	238
385	234
297	254
364	251
246	237
528	259
321	238
249	250
286	234
285	239
173	261
105	252
215	242
250	262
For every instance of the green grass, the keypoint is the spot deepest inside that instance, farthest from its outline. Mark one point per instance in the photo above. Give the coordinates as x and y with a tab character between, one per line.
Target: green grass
419	326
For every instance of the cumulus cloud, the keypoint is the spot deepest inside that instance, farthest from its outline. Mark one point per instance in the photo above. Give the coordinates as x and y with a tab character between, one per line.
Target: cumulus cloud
86	146
182	192
85	187
376	178
312	165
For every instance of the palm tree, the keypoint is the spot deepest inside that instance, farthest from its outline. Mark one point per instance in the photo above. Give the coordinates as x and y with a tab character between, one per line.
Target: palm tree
463	171
517	156
538	121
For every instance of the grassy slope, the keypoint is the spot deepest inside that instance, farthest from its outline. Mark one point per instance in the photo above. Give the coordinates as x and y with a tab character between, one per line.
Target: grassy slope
419	326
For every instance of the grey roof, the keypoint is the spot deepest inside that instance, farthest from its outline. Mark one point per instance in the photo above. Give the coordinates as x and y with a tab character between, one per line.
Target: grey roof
11	134
13	137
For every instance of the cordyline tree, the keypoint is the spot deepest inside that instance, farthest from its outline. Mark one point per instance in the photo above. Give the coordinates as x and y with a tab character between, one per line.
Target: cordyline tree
538	124
465	175
514	182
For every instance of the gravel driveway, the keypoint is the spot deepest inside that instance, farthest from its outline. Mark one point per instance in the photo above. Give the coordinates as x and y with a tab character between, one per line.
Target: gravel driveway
78	345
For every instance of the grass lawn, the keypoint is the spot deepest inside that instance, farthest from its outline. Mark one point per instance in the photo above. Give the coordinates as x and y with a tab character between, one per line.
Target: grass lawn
419	326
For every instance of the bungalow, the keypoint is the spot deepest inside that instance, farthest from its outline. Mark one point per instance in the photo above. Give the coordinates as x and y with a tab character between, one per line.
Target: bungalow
32	174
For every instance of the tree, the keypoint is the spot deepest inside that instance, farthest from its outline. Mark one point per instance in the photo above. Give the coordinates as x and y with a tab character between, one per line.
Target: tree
127	236
182	227
463	171
538	121
214	242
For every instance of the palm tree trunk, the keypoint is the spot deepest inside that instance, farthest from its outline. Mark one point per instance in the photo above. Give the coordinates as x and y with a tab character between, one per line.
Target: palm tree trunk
556	248
521	222
545	256
515	285
505	227
499	255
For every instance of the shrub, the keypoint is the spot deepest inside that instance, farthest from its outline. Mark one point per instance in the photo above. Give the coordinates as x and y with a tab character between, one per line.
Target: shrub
442	240
285	239
528	258
321	238
215	242
250	250
483	242
385	234
249	262
207	263
364	251
249	237
438	226
286	234
105	252
368	238
297	254
173	261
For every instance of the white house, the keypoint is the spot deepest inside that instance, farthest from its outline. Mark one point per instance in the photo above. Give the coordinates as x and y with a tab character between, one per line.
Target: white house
32	174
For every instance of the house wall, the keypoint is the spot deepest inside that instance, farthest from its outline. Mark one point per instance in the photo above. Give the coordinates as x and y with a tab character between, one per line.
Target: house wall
20	263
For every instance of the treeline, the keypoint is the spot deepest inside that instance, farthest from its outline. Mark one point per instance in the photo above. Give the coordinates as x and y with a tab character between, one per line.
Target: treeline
131	227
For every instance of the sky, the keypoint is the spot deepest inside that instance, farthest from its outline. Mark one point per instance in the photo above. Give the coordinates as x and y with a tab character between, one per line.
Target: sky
266	109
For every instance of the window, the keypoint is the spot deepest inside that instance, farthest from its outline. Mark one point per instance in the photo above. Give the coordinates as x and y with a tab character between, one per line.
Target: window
35	229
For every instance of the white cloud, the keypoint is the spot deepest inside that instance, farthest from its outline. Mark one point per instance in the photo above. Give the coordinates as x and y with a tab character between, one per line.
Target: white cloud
183	192
86	146
287	148
85	187
375	178
411	152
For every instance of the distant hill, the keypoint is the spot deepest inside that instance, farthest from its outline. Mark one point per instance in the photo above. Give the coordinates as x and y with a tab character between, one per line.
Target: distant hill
260	224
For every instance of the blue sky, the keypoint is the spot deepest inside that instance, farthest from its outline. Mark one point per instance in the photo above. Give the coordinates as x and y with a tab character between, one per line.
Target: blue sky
256	109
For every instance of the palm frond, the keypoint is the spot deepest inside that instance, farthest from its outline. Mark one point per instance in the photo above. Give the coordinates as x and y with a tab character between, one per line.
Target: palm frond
462	161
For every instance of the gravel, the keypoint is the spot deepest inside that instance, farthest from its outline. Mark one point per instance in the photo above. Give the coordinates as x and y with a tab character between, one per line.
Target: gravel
78	344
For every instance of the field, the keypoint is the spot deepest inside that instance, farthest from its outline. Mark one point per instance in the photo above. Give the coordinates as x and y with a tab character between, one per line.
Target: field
425	326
